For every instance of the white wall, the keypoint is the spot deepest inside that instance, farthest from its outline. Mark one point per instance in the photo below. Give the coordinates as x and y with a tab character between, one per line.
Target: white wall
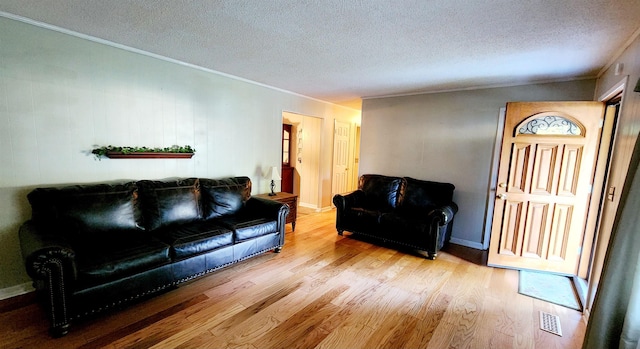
60	95
449	137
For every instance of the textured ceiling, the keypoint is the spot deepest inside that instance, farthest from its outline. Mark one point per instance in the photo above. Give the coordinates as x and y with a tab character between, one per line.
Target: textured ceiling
341	50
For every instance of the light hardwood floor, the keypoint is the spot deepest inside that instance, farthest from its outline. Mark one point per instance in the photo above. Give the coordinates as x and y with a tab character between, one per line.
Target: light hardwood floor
321	291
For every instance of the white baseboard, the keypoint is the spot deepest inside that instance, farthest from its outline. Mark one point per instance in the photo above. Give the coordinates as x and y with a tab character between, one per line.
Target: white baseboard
467	243
16	290
313	207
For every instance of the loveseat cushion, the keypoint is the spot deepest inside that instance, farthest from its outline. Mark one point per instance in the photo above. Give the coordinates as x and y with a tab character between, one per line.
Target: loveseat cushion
170	202
382	192
195	238
245	228
422	196
222	197
412	230
361	219
87	209
107	259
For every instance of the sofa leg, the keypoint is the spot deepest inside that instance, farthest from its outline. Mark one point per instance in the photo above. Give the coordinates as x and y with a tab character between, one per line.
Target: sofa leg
431	256
59	330
340	232
277	249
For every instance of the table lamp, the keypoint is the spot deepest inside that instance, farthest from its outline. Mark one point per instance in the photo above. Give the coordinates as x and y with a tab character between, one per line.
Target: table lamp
275	176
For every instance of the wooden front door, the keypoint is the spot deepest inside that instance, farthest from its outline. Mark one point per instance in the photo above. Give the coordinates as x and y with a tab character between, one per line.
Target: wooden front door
545	180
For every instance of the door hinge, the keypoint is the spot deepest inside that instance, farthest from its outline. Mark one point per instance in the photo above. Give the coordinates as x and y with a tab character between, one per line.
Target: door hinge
579	250
601	123
611	193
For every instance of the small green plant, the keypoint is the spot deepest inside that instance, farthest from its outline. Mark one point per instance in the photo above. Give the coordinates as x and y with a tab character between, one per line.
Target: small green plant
100	152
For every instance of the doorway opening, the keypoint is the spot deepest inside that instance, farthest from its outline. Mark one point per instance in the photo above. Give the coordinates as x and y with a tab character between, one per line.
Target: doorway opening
305	133
604	212
600	195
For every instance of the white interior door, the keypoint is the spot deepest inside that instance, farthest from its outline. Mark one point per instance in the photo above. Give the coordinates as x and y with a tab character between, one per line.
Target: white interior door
341	146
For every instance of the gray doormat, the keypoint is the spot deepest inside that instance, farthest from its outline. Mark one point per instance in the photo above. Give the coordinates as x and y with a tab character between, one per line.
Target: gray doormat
548	287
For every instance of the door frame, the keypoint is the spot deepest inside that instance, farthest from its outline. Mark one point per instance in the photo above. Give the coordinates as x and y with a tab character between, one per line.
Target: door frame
493	178
600	240
601	174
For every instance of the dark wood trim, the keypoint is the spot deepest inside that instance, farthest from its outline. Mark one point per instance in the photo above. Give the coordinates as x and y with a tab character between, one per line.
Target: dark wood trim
17	302
148	155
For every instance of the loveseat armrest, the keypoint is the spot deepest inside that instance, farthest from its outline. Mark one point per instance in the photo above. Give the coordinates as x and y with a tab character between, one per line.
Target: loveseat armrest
50	262
443	214
353	199
440	225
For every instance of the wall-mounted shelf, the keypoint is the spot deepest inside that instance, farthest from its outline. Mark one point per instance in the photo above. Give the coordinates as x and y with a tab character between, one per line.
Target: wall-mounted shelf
149	155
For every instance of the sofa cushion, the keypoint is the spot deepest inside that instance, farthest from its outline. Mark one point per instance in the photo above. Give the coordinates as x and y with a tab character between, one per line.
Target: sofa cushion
382	192
195	238
224	196
88	208
422	196
245	228
105	259
170	202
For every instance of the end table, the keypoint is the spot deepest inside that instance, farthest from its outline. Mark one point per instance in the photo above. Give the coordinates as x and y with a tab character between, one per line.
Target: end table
286	198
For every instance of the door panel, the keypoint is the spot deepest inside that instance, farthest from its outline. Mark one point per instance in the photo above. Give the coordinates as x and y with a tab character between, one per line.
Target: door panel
544	184
520	168
570	170
543	169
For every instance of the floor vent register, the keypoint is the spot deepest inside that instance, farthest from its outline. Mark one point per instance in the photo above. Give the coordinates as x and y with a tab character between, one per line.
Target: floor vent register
550	323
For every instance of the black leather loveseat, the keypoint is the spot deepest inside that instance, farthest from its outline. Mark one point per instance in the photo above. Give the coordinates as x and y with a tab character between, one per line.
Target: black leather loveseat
409	212
94	247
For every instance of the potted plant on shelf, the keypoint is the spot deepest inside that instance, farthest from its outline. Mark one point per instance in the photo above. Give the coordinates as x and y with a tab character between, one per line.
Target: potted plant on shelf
173	152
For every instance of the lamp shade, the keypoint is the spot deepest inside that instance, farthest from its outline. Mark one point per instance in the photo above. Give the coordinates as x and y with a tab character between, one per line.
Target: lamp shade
275	175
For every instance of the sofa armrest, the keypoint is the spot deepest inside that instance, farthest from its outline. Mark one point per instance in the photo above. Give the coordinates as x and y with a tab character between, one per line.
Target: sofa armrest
266	208
50	262
259	207
40	250
443	214
353	199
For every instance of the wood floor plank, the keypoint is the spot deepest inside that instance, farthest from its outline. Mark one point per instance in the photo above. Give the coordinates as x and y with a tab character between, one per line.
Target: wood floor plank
201	327
285	334
322	291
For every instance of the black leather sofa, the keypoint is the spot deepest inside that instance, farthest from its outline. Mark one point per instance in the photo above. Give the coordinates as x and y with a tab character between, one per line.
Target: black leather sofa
94	247
409	212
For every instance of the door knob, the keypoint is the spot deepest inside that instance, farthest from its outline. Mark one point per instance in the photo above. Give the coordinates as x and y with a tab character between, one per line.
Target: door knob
502	185
502	196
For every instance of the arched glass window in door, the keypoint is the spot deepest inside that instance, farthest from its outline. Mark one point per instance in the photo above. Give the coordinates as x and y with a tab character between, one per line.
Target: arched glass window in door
549	124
